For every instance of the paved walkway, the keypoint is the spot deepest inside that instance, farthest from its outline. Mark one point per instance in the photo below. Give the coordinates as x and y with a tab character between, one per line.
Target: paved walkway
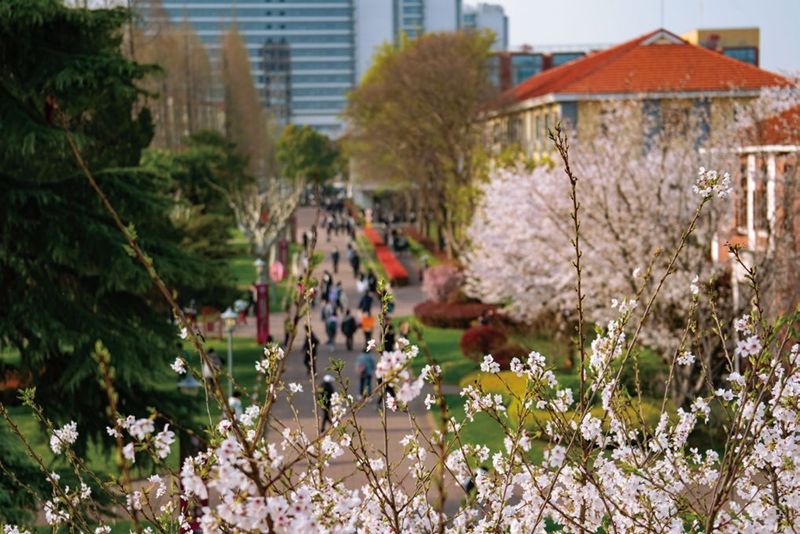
369	417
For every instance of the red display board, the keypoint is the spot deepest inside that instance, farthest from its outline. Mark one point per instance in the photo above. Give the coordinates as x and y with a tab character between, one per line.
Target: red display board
262	313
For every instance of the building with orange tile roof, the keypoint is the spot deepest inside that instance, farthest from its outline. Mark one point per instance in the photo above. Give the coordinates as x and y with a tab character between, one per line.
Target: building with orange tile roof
659	70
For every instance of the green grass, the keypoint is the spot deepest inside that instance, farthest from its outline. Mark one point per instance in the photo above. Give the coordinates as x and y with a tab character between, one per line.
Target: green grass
443	345
421	253
243	267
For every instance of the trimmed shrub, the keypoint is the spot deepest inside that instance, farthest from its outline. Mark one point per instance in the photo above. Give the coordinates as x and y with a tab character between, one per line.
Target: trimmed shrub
442	281
449	315
480	340
506	353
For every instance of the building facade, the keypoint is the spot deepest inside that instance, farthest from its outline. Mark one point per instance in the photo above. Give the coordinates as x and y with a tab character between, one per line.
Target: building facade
739	43
306	55
663	74
491	16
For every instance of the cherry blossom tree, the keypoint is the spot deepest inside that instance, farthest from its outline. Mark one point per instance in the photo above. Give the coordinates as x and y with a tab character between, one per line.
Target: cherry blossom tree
636	187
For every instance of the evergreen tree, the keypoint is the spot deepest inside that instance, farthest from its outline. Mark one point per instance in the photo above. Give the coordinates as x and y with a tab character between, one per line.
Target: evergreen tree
66	278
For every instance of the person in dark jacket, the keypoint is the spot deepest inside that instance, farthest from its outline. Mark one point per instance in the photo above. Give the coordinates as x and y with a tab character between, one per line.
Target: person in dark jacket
326	391
355	263
310	346
349	328
389	336
335	260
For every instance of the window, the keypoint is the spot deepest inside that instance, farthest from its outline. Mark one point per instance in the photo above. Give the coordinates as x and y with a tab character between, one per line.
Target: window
559	58
760	198
741	197
523	66
747	54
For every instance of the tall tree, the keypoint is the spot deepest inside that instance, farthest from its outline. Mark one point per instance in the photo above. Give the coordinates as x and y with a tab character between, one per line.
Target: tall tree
306	154
67	280
184	84
413	122
245	121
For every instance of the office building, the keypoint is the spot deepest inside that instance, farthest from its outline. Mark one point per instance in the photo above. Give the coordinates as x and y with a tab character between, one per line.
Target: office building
738	43
491	16
306	55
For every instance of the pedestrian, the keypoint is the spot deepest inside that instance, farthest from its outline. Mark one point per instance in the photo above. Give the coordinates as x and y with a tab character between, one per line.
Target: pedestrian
355	263
365	369
288	326
365	304
310	346
341	298
389	336
235	404
367	326
331	325
372	280
327	310
326	391
333	294
349	328
362	284
335	260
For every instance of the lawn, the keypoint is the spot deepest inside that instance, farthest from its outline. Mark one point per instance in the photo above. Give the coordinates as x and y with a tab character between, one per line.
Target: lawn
242	266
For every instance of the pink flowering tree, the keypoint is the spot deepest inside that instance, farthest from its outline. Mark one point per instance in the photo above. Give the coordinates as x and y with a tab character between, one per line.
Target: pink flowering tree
604	466
442	281
636	185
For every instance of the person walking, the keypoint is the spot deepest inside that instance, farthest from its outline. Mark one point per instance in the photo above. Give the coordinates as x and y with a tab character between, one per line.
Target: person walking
365	304
331	325
310	346
341	297
349	328
361	284
389	336
326	391
335	260
355	263
365	369
367	326
372	281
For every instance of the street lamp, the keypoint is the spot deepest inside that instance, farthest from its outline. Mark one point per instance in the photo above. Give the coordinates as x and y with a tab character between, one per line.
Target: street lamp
230	316
189	385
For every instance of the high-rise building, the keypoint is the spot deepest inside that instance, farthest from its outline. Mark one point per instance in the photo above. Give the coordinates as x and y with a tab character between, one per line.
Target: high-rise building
491	16
306	55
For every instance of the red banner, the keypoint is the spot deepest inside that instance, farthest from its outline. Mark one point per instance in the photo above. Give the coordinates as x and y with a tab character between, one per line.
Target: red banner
262	313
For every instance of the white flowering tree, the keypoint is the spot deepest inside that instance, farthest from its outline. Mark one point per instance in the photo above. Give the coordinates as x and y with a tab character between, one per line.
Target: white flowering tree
604	468
634	188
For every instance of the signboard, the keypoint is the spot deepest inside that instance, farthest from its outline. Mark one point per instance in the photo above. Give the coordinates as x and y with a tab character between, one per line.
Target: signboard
262	313
276	271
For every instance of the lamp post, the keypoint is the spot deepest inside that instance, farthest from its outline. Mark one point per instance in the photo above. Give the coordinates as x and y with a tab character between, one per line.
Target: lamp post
229	316
189	386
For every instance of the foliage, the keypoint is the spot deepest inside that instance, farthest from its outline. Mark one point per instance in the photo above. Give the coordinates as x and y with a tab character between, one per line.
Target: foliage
307	155
67	278
413	120
481	340
183	84
627	214
246	124
442	282
450	315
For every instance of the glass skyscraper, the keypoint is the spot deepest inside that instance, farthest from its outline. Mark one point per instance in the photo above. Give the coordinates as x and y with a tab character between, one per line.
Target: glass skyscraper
305	55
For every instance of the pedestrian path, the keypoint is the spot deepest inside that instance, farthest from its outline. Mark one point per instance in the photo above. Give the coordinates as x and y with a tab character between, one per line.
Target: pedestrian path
369	417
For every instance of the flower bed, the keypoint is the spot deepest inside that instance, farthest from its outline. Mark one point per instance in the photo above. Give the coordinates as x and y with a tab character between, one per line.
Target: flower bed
480	340
374	237
450	315
394	269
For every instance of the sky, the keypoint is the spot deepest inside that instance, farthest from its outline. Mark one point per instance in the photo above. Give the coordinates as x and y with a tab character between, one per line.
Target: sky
558	22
